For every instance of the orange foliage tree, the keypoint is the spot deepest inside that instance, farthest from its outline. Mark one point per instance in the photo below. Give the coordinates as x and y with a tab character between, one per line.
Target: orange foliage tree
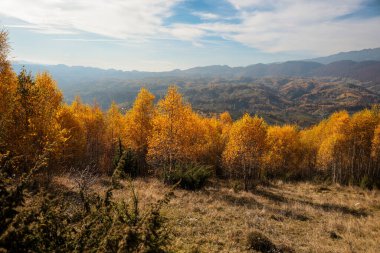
138	127
245	148
283	151
178	134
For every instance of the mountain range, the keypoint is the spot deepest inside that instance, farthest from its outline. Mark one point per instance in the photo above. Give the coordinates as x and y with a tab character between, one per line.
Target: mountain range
294	91
362	55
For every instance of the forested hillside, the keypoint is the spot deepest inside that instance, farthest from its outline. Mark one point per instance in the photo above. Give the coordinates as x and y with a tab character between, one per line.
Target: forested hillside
290	92
162	137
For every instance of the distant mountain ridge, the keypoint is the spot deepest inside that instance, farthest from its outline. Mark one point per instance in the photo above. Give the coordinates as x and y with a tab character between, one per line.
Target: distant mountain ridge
69	76
65	74
301	92
372	54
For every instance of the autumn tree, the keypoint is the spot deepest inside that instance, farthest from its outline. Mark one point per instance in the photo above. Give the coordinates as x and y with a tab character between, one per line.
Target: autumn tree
215	143
345	150
8	95
310	141
282	154
217	130
331	158
139	125
115	124
225	118
33	128
375	153
28	106
93	120
47	102
361	135
178	135
245	148
164	145
74	148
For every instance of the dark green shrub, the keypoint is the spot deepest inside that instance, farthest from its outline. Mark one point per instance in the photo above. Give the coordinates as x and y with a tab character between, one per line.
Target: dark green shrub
256	241
119	173
53	223
259	242
367	183
190	177
129	162
131	167
12	192
236	185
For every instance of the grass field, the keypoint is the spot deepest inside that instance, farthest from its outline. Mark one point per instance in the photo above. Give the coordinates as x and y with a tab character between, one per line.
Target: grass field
305	217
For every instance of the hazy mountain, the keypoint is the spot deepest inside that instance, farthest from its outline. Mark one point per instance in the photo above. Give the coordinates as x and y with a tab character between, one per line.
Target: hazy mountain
290	68
70	76
278	100
362	55
300	92
67	76
335	65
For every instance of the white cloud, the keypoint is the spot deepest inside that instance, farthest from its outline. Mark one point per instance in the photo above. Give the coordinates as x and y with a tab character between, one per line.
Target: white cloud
185	32
206	15
312	26
41	29
240	4
113	18
303	25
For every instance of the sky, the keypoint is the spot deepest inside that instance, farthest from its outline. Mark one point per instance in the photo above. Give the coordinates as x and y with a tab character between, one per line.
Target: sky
158	35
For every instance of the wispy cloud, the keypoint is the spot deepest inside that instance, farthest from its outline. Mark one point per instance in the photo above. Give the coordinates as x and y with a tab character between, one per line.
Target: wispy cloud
116	19
42	28
313	26
88	40
187	32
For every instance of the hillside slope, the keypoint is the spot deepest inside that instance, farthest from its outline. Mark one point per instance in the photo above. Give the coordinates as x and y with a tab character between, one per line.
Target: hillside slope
290	92
283	100
299	216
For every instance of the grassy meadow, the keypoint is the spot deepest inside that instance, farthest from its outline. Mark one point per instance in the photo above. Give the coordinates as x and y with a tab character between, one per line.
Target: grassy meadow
304	217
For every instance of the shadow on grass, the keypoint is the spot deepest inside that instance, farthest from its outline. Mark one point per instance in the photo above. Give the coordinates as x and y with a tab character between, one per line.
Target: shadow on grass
240	201
270	195
292	215
251	202
327	207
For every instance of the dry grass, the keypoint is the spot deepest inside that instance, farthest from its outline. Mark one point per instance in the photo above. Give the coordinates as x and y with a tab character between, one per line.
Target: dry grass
303	216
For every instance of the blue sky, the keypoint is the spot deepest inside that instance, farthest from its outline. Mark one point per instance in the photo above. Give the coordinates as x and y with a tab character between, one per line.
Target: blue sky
158	35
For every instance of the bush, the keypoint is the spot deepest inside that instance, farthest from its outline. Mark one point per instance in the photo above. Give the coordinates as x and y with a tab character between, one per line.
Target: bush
54	223
236	185
107	226
129	162
367	183
190	177
259	242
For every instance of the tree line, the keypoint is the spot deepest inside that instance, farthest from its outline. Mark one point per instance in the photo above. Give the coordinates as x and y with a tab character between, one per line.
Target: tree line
160	139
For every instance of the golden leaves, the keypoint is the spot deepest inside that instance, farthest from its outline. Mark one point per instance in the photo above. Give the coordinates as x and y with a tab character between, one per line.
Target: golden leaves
246	143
